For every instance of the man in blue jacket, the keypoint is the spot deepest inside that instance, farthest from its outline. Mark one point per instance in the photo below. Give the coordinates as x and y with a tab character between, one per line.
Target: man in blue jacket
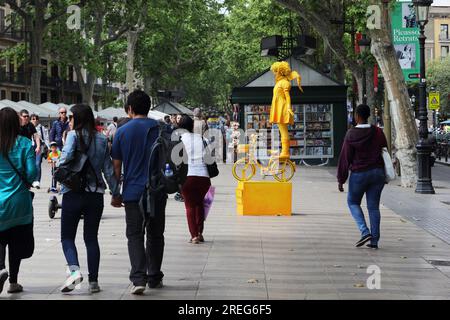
58	128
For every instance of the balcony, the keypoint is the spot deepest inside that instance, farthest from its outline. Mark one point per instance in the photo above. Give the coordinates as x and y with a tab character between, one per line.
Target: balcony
15	78
12	35
53	83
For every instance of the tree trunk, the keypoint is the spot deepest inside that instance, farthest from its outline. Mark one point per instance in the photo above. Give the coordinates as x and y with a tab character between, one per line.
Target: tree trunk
86	87
132	37
370	91
37	33
404	123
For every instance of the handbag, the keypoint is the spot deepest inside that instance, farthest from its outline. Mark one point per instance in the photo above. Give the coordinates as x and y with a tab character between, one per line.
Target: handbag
73	174
388	166
22	177
213	170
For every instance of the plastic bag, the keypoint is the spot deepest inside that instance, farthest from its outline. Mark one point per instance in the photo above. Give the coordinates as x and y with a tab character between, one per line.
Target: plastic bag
209	199
388	166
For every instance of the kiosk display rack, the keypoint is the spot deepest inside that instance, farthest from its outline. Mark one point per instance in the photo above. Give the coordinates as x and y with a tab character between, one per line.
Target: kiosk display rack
311	134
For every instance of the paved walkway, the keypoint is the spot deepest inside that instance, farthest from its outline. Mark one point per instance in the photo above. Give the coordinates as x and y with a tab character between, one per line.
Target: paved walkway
442	161
430	212
310	255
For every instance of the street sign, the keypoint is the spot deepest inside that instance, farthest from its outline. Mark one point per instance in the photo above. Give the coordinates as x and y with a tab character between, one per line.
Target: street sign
434	101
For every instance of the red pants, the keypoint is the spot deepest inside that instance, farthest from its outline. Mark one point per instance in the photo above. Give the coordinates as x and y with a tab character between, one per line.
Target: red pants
194	191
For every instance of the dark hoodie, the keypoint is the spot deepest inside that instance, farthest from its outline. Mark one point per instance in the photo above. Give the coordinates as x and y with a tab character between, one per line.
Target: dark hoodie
361	151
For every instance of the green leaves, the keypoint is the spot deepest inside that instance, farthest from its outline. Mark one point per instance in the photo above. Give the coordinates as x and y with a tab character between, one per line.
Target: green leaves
438	75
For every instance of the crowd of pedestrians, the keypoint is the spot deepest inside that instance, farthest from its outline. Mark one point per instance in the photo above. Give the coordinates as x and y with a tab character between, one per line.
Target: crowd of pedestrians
121	155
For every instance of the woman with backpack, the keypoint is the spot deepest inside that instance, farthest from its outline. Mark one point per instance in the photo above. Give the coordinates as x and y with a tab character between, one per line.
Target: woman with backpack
89	202
362	155
197	182
17	173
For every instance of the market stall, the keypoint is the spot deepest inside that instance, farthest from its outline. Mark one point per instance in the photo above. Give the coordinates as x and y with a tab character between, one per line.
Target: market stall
320	113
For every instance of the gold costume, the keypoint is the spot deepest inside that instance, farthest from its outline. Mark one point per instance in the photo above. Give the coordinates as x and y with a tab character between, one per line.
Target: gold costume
281	111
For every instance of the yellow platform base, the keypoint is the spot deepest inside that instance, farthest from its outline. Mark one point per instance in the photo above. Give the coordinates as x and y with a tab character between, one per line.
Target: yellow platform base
264	198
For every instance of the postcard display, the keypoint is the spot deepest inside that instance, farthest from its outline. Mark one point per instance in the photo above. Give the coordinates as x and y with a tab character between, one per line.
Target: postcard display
311	134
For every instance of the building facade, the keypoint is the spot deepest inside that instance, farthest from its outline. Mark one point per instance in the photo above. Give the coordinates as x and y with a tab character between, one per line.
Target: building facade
15	77
437	33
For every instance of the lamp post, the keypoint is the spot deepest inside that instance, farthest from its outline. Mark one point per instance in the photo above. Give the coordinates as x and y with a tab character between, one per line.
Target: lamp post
424	148
364	45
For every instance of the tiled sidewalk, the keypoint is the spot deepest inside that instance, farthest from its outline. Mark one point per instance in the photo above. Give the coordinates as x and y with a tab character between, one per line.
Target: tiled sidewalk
310	255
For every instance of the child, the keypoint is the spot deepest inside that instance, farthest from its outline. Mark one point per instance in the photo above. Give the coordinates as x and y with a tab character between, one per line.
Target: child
53	157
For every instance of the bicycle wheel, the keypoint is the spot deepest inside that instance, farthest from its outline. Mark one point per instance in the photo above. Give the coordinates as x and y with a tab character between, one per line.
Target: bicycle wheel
285	171
243	171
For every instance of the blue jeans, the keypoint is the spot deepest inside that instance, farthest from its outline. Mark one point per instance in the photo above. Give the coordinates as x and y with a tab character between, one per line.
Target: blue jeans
38	166
91	206
370	183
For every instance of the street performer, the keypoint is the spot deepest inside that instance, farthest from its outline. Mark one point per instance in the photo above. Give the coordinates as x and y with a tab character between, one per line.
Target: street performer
281	112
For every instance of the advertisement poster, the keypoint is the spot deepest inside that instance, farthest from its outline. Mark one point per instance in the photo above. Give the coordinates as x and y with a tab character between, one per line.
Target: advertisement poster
405	33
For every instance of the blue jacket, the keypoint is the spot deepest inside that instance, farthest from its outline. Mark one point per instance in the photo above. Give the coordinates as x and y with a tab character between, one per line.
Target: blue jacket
99	158
16	208
56	132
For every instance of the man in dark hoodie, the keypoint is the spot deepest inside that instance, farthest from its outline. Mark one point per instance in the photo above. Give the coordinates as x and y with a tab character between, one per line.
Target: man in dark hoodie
362	155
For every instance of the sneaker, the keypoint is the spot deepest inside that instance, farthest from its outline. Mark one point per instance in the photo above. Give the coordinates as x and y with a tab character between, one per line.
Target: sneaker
94	287
158	285
363	240
72	281
372	246
194	241
137	289
3	277
36	185
178	197
200	238
15	288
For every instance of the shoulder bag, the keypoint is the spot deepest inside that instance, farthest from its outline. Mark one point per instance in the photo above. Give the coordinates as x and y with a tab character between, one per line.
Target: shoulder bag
22	177
213	170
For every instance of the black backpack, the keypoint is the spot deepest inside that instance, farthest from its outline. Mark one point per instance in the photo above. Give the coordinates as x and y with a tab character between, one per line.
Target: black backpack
77	173
158	185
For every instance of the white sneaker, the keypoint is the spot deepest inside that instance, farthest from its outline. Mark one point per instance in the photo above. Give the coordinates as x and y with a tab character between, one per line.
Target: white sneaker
72	281
36	185
137	289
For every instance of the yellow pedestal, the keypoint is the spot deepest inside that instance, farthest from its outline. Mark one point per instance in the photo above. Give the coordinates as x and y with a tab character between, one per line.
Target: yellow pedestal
264	198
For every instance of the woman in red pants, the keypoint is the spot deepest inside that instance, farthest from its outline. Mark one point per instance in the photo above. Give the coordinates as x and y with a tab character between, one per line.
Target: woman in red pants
197	183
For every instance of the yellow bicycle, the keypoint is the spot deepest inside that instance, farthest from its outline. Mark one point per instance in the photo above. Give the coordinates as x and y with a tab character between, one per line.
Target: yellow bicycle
244	169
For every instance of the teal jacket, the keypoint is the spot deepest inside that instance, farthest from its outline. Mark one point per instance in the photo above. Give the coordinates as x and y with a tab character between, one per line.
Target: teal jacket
16	208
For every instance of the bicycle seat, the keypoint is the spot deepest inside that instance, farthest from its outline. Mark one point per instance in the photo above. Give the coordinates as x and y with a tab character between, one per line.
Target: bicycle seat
243	148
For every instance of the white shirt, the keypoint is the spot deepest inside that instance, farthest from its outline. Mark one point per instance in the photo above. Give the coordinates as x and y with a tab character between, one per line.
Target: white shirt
43	134
111	131
193	143
363	126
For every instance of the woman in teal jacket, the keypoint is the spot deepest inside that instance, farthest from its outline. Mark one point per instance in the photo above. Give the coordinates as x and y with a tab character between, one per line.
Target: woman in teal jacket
16	209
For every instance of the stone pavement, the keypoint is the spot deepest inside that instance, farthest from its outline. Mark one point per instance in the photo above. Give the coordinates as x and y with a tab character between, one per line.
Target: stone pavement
430	212
310	255
442	161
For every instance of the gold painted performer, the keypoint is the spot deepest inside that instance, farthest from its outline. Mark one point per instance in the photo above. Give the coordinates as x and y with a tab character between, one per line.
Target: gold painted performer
281	112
